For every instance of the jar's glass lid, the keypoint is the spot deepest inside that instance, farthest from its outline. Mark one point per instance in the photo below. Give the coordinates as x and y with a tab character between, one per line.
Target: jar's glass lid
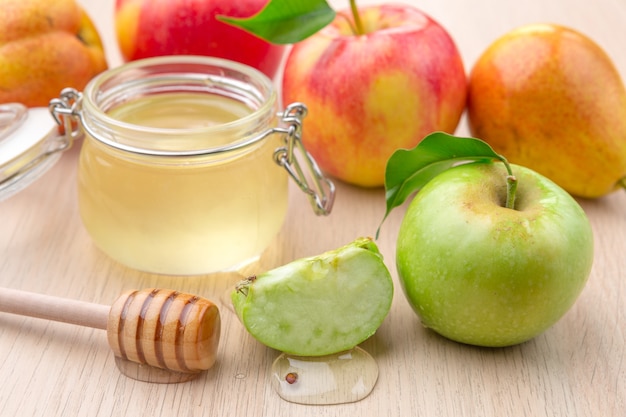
24	153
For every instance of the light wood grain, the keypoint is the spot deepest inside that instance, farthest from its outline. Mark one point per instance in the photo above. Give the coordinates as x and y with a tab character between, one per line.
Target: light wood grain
576	368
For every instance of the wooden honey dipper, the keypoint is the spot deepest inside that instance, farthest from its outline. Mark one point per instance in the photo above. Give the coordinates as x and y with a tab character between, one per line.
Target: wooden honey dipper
156	335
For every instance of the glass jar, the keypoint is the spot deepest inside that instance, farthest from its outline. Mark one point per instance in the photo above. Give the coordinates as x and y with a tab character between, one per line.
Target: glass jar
185	162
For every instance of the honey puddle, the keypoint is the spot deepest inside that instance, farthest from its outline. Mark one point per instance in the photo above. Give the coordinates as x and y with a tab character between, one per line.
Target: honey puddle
344	377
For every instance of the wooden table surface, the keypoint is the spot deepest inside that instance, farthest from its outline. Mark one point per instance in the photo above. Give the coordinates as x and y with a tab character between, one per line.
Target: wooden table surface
576	368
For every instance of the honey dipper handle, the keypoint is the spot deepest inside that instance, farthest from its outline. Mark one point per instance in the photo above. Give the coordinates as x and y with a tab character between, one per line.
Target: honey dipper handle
54	308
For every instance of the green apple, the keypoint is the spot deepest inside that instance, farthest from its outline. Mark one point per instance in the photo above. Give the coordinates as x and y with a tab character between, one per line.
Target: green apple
480	273
319	305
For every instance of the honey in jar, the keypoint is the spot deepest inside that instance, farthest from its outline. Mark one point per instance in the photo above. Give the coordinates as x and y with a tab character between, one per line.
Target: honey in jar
178	171
183	214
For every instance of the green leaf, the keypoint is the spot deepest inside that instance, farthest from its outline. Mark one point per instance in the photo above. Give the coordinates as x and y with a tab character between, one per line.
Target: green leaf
408	171
286	21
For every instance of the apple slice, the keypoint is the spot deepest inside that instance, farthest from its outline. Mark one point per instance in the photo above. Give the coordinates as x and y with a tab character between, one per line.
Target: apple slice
319	305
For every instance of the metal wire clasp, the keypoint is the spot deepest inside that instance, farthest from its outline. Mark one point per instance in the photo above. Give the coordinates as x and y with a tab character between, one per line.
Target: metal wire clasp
319	189
66	112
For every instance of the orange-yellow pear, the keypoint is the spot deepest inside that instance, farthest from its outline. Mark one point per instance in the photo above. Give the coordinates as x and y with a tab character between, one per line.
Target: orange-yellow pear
549	98
46	46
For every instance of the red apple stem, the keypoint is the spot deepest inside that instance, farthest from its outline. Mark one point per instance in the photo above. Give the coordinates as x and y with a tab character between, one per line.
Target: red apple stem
358	24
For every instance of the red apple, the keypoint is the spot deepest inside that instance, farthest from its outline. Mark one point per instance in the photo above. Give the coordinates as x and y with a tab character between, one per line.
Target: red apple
371	94
147	28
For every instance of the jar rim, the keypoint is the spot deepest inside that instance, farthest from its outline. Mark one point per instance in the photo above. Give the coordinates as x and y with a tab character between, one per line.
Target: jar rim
119	82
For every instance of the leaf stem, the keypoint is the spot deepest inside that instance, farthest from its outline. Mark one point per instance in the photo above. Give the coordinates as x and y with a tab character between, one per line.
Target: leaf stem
358	24
349	21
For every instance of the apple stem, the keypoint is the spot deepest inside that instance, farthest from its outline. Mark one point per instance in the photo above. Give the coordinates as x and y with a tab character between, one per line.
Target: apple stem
511	184
511	189
358	24
622	182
